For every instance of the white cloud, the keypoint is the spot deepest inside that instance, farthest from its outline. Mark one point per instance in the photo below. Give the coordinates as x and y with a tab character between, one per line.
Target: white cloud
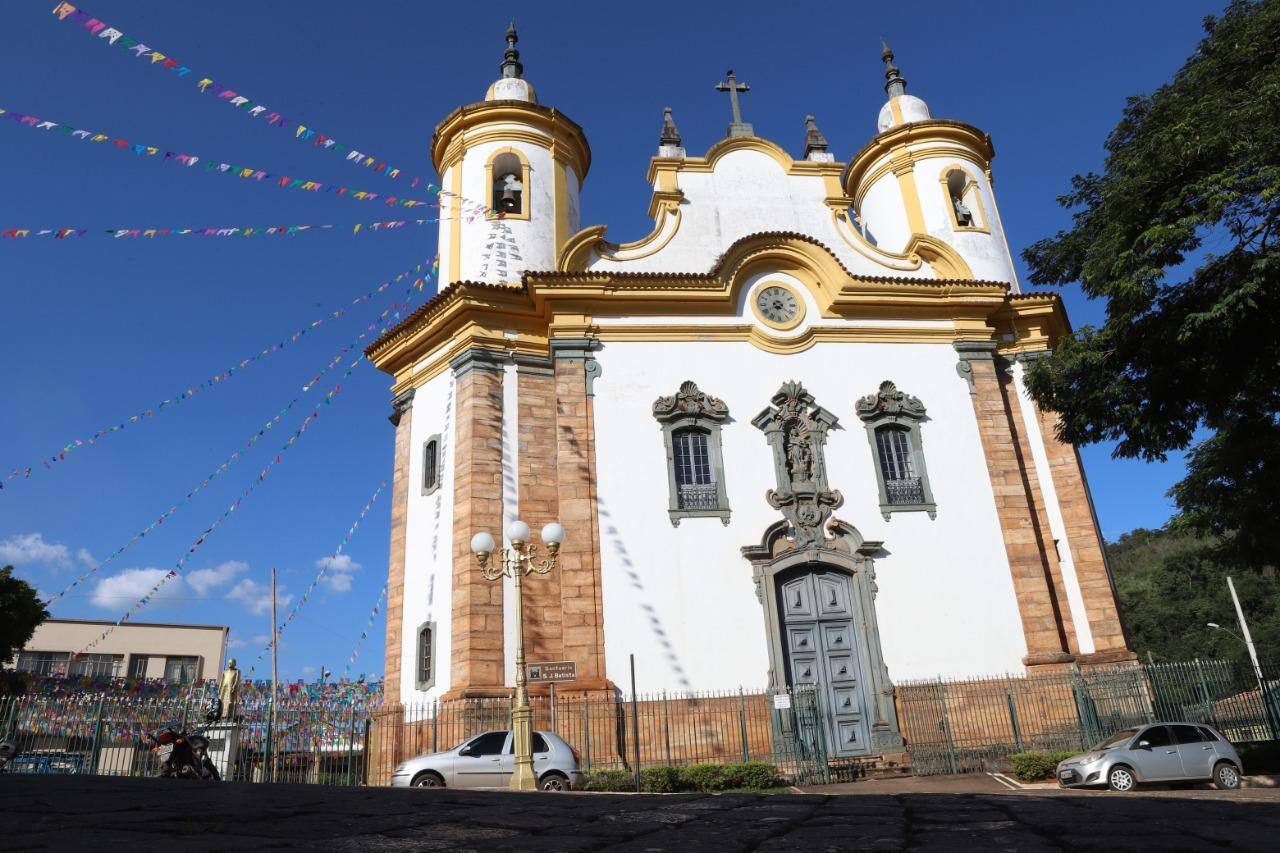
339	569
121	590
261	639
256	597
237	644
26	548
203	580
86	559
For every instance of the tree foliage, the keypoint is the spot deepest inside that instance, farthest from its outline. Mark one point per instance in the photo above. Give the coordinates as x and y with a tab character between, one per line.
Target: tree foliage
1179	234
1171	585
20	612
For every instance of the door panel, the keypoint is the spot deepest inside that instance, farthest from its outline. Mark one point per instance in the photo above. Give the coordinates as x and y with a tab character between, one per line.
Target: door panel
1198	754
821	649
1160	759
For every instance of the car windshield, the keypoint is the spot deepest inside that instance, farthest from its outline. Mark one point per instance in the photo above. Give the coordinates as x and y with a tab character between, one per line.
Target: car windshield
1116	739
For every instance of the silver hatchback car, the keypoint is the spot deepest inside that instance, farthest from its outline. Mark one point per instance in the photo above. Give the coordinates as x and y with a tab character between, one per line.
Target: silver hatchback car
487	761
1164	752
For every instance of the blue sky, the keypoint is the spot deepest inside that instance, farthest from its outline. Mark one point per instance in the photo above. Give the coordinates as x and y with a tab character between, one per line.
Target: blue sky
97	329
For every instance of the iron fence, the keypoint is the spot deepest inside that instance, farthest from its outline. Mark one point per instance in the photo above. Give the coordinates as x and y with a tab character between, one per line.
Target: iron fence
972	725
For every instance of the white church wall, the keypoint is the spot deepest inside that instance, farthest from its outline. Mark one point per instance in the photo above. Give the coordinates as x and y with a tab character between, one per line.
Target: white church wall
534	236
428	576
883	214
986	253
946	604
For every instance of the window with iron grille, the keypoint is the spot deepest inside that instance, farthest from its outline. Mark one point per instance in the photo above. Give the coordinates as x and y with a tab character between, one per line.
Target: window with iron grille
431	465
690	421
426	669
893	420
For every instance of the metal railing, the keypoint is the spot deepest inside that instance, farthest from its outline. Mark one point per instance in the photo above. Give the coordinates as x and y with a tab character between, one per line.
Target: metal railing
972	725
905	491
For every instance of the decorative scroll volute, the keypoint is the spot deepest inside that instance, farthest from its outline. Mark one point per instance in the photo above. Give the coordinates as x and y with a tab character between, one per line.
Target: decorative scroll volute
891	402
796	429
690	402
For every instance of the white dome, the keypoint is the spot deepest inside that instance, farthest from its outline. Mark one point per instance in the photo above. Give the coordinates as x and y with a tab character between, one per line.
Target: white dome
511	89
911	107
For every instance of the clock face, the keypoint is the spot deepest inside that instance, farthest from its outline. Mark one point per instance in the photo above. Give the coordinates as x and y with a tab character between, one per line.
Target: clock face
777	304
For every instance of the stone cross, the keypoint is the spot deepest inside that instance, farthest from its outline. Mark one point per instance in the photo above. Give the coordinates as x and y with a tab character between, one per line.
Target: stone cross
737	127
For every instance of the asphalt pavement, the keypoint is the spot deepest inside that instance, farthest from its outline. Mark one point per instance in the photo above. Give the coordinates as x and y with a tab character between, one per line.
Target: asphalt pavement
87	813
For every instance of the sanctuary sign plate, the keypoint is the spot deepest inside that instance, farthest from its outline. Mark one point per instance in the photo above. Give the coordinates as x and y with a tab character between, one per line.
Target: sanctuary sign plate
558	670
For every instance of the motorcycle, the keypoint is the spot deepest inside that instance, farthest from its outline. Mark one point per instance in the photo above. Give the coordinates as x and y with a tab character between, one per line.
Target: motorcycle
8	749
182	754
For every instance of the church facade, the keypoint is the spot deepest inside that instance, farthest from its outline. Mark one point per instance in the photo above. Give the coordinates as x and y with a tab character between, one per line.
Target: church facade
786	432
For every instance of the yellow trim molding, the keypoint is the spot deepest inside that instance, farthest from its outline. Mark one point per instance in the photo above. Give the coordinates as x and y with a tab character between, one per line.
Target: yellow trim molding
971	183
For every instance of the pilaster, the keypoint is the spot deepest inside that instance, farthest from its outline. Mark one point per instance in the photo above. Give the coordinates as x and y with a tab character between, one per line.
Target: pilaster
402	417
539	500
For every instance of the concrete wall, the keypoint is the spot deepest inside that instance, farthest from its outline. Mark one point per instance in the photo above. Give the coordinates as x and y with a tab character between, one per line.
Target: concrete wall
136	638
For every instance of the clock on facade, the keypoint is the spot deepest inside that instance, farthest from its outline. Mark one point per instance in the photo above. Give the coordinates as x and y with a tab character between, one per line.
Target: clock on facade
777	305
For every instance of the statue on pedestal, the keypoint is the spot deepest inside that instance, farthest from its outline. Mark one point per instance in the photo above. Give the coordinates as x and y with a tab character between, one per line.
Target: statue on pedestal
229	690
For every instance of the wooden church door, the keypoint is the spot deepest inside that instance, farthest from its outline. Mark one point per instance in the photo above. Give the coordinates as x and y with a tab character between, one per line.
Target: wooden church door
821	649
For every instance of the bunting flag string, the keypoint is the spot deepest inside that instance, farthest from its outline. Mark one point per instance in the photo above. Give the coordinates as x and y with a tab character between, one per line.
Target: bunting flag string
415	274
101	30
146	597
238	231
324	568
472	209
355	652
394	311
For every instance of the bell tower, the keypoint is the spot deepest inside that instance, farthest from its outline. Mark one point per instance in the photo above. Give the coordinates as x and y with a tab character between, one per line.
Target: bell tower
511	171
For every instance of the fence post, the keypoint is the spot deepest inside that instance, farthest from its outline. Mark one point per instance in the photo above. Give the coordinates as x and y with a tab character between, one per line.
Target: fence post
435	725
97	736
364	750
666	726
1204	694
1013	713
553	708
946	726
742	723
586	732
635	722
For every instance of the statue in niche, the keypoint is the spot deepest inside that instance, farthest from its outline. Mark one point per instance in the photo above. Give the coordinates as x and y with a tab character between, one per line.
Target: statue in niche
796	429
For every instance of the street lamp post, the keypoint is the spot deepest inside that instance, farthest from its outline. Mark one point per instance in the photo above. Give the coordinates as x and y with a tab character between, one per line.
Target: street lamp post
516	562
1247	639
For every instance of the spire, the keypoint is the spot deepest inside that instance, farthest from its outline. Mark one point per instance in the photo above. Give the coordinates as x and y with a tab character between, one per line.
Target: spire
814	141
670	133
895	83
511	65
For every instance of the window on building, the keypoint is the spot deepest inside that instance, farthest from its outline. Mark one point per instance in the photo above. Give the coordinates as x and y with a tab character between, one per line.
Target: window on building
181	670
893	421
508	184
426	666
43	663
109	666
138	666
431	465
690	421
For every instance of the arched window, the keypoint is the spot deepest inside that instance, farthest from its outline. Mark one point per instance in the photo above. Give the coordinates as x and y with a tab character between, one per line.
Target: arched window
690	423
425	670
431	465
893	425
964	200
509	184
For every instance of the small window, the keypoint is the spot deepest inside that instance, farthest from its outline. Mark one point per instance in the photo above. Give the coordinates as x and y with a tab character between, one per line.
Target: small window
690	421
1188	734
97	666
489	743
431	465
426	665
138	666
180	670
540	744
1157	736
893	421
43	663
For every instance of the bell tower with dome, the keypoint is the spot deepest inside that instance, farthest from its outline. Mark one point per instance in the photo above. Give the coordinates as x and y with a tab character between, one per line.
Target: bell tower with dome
522	161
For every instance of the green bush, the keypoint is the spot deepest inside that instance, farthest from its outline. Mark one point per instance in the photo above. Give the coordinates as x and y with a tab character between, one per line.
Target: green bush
703	777
611	780
660	780
1037	766
754	775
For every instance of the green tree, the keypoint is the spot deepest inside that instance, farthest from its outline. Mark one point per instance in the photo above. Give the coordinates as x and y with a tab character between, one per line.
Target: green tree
20	612
1171	585
1179	234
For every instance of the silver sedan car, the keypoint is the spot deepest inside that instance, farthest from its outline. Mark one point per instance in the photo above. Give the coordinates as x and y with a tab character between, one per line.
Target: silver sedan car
1164	752
487	761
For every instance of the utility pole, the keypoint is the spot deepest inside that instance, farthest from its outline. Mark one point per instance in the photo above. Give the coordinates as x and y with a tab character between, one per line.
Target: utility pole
275	637
1253	656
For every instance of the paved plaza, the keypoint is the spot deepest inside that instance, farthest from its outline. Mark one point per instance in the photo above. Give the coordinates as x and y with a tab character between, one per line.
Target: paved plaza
137	815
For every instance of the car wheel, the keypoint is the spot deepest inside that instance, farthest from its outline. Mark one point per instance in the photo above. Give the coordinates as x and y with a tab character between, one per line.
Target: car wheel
554	782
428	779
1121	779
1226	776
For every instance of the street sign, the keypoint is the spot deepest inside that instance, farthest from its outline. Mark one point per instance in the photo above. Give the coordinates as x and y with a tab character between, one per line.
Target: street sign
556	670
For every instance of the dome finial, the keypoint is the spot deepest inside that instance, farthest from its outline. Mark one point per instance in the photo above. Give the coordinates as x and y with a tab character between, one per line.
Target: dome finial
895	83
511	65
670	133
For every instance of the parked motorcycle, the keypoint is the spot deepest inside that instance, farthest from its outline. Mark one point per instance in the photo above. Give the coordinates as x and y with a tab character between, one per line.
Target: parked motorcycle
182	754
8	749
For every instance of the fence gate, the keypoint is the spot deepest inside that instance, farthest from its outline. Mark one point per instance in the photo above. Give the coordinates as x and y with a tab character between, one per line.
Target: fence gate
800	746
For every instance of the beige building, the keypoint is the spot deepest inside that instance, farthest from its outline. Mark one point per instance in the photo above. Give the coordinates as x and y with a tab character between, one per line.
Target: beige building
134	650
